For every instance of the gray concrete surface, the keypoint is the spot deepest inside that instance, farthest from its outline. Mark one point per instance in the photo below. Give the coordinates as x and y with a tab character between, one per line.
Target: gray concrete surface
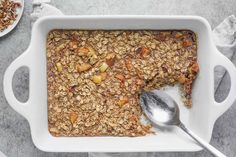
15	138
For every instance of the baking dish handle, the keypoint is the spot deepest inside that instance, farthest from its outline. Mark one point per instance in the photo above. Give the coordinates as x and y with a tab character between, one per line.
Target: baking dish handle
220	108
21	107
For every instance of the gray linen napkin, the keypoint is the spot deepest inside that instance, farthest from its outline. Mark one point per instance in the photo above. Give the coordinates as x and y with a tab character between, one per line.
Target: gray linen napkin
43	8
224	36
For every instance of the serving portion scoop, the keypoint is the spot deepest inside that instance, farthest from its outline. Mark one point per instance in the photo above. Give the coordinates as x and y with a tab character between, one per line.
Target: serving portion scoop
163	111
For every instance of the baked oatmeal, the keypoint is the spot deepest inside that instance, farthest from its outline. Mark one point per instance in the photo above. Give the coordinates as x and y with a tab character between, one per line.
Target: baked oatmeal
95	77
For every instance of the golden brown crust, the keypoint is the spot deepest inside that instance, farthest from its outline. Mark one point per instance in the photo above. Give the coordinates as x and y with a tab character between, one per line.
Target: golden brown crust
95	77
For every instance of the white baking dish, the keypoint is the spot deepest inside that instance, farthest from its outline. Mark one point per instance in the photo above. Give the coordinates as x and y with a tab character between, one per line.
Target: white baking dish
200	118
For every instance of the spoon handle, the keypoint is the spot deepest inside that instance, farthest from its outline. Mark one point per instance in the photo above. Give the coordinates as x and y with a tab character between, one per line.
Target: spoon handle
203	143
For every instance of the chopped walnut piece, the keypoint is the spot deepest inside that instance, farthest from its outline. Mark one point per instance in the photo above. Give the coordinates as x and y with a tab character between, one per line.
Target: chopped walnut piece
103	75
73	117
186	43
110	59
83	67
195	68
83	51
123	101
182	79
120	77
143	51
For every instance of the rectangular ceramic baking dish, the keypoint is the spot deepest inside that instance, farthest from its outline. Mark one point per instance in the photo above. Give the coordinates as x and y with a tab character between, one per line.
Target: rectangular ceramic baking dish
200	118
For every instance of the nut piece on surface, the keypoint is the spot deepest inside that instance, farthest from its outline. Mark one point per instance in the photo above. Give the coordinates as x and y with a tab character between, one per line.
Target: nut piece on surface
120	77
195	68
83	51
110	59
83	67
97	79
86	51
73	117
186	43
182	79
123	101
143	51
103	75
103	67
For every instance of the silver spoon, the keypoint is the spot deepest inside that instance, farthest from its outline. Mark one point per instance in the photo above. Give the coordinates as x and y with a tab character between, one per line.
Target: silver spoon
162	110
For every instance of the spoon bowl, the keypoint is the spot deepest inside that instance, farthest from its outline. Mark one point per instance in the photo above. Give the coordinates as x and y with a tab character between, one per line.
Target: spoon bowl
160	108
